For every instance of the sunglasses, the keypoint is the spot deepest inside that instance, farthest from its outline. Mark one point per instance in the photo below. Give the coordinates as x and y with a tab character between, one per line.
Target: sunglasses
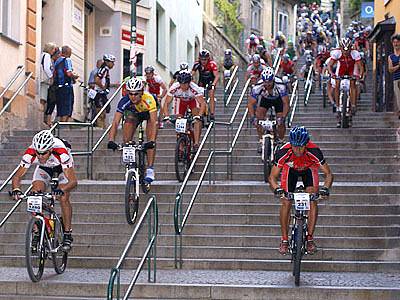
42	153
135	94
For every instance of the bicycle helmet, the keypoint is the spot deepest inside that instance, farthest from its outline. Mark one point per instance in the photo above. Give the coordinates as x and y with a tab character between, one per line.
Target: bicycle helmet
184	77
109	57
345	44
252	37
299	136
256	58
268	74
204	53
134	85
184	66
286	57
228	52
149	69
43	141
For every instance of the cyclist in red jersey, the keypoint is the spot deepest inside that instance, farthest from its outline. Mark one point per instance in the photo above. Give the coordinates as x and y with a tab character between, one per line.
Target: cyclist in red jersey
322	56
286	66
361	42
155	84
255	69
299	158
208	76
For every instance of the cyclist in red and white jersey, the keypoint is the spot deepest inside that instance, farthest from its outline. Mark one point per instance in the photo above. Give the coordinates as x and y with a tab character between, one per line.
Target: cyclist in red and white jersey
255	69
51	156
346	60
187	94
155	85
251	44
299	158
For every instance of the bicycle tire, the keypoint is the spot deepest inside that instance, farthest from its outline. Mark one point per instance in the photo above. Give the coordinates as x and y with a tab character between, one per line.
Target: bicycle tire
131	199
182	157
60	258
298	251
142	170
345	118
324	95
267	158
35	266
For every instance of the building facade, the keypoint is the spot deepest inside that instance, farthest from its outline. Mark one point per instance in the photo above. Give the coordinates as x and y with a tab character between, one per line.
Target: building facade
387	22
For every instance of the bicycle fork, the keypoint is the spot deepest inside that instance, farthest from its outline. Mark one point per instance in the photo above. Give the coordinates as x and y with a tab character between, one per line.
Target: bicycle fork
135	178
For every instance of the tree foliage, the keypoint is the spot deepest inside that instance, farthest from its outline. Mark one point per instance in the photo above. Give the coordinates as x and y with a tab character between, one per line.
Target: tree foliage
227	18
355	5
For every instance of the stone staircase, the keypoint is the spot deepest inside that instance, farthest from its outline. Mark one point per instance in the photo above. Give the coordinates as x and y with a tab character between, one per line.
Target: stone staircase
230	241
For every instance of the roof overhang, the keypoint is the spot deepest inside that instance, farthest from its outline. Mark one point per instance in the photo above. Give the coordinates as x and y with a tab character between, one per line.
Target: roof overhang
382	27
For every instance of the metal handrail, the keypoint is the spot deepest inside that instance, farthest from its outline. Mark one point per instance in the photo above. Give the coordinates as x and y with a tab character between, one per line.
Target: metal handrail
29	75
235	69
18	72
107	103
232	92
277	57
277	65
308	85
292	107
149	253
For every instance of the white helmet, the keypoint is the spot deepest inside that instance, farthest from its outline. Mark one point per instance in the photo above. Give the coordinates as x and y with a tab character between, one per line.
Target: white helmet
109	57
134	84
184	66
43	141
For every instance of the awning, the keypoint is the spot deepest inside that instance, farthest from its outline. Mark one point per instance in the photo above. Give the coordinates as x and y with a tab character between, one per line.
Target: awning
382	27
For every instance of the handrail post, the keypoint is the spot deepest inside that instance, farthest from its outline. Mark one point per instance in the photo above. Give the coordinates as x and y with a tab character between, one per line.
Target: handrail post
149	236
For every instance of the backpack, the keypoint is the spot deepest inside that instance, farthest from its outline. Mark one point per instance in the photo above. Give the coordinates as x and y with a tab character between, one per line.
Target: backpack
59	75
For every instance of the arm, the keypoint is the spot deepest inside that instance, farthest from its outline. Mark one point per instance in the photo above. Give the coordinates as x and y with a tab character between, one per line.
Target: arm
273	178
72	181
47	66
114	127
392	68
165	107
97	80
16	180
328	175
216	75
200	100
164	90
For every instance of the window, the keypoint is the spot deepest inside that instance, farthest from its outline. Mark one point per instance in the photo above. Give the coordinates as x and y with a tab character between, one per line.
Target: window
283	23
160	33
126	64
9	19
172	46
256	14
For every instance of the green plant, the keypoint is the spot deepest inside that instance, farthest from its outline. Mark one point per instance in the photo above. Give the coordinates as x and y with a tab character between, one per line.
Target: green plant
355	5
227	18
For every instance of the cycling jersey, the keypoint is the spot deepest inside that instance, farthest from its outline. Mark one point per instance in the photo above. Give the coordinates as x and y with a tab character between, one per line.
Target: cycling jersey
154	84
268	99
322	57
206	72
345	63
361	42
147	104
312	157
287	68
104	74
60	156
255	71
193	91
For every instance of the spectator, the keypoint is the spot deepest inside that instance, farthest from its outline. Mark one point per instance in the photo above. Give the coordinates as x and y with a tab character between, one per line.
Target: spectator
91	81
394	67
52	91
63	79
46	78
102	80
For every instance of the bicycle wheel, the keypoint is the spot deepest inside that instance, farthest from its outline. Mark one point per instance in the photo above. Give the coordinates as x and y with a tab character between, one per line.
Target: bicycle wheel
34	252
131	199
345	107
324	94
267	158
182	157
60	257
298	251
142	173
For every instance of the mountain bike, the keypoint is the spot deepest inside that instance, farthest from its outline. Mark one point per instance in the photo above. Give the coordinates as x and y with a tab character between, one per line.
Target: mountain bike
324	80
299	232
344	109
268	144
44	234
184	144
134	156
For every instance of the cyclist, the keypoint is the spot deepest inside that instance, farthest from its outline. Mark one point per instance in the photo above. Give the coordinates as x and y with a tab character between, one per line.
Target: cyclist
255	69
182	66
266	57
306	68
361	42
154	86
134	108
187	95
280	40
331	84
228	64
251	44
208	77
286	67
269	92
347	59
52	156
299	158
322	56
102	87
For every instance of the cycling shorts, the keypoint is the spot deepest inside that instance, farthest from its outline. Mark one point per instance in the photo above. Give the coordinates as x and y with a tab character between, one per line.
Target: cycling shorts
136	117
289	177
45	175
181	106
274	102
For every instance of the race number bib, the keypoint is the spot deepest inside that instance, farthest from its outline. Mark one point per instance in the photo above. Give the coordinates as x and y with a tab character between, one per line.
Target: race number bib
267	125
128	155
92	94
345	84
180	125
302	201
34	204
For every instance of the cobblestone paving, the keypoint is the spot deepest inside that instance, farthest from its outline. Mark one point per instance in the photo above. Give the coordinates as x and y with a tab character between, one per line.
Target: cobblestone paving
249	278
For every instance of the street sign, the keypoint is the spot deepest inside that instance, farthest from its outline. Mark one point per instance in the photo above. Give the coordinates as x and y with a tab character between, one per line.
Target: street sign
367	10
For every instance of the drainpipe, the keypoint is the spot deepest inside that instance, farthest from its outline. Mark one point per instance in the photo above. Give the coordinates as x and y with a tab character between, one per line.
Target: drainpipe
273	19
132	53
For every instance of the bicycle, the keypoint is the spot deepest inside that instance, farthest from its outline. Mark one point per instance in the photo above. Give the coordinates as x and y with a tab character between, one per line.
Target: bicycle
268	144
299	232
324	89
44	234
184	144
133	156
344	109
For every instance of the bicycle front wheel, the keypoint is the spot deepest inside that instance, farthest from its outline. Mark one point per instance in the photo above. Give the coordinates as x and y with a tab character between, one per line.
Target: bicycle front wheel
60	257
324	94
182	157
298	248
345	108
267	158
34	252
131	199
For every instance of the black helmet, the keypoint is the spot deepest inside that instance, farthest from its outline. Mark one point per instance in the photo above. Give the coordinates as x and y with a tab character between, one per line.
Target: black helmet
149	69
204	53
184	76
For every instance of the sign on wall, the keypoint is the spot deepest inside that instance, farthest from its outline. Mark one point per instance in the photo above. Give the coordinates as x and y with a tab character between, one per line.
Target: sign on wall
126	36
77	18
367	10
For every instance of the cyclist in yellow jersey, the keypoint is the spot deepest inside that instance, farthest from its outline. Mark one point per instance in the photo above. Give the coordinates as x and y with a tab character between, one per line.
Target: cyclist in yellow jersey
136	107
